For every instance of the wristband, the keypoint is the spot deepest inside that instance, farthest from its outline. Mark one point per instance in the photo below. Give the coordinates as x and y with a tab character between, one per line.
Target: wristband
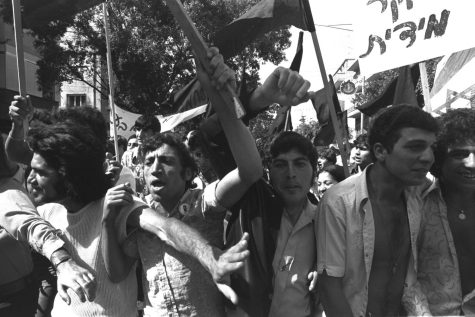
56	260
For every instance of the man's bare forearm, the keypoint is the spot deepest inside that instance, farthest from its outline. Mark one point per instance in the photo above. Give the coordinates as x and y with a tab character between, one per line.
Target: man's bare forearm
15	146
176	234
333	298
117	264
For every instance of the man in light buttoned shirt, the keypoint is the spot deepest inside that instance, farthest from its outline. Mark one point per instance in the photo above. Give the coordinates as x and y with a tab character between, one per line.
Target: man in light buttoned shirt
446	245
367	225
292	169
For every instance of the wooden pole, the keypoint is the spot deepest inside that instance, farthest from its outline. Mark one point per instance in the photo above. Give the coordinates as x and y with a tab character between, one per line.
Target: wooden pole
20	56
425	86
287	119
109	73
200	48
329	93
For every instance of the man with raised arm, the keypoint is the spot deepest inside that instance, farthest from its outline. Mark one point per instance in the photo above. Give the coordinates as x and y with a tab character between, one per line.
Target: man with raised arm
176	283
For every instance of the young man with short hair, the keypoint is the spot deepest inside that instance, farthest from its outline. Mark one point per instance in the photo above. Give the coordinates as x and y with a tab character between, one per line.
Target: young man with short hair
446	253
362	154
326	157
292	171
145	126
367	225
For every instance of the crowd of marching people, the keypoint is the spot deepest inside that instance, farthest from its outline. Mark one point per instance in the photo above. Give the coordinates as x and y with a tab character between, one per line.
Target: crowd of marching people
206	227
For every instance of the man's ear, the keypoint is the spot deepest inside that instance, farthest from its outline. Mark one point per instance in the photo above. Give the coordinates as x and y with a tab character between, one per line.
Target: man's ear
380	152
188	174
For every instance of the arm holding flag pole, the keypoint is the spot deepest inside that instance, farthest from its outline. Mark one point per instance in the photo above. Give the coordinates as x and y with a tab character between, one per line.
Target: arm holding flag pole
201	51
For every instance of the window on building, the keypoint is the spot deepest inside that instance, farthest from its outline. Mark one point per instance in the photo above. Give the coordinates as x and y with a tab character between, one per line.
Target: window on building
76	100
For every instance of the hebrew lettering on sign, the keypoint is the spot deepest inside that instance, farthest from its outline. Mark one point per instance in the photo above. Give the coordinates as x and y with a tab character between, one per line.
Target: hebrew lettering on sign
393	33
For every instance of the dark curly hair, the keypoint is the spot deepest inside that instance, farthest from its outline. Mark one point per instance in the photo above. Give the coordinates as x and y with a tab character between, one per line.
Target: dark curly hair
85	116
361	140
457	127
336	171
386	127
186	160
329	155
76	153
290	140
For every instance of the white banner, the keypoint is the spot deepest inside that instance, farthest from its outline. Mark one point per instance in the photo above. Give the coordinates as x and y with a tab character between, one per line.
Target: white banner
394	33
125	120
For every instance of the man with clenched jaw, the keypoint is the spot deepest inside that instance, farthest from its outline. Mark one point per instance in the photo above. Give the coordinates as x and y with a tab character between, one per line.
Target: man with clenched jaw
445	278
367	224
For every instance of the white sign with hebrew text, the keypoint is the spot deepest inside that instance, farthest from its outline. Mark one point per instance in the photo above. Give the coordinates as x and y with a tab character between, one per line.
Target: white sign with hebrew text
394	33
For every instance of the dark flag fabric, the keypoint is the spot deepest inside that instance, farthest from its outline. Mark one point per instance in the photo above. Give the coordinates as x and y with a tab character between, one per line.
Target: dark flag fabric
38	12
188	97
265	16
402	90
283	119
326	135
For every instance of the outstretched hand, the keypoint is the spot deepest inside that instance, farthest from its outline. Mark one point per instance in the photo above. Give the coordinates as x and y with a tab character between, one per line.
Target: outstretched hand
74	277
226	263
286	87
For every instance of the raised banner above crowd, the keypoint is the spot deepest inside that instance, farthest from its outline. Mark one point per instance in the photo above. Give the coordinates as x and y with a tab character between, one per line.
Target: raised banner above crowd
394	33
125	120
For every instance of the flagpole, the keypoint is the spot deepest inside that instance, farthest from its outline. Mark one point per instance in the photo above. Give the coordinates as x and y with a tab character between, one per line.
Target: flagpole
425	86
335	121
287	119
200	49
20	56
111	83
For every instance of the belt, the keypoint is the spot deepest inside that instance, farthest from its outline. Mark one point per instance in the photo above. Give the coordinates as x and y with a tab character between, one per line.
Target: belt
16	285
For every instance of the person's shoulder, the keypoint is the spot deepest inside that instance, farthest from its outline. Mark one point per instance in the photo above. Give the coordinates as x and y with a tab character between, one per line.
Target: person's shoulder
345	187
50	210
13	195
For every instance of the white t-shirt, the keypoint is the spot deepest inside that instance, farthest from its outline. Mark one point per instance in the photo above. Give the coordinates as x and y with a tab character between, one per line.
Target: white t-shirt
82	235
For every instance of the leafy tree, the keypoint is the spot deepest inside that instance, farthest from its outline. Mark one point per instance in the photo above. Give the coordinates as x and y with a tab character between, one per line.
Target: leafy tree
308	129
376	86
259	128
150	55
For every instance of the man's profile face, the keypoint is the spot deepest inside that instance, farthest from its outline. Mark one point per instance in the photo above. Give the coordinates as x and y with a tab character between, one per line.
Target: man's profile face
411	156
322	162
132	143
458	169
324	181
362	155
164	174
142	134
204	164
44	182
291	176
